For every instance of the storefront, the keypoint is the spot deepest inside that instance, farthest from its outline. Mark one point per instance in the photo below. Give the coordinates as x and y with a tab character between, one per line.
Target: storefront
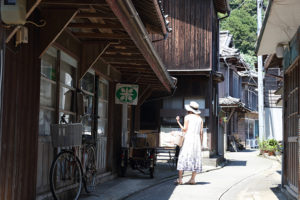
84	50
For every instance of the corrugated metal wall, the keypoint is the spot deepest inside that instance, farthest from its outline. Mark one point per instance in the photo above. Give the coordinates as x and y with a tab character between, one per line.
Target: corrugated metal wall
20	120
189	45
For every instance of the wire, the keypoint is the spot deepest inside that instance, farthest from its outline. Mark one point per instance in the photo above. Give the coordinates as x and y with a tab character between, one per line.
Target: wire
239	6
6	26
42	21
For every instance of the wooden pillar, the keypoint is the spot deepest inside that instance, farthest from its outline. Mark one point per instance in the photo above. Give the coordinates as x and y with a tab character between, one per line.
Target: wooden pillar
212	131
20	119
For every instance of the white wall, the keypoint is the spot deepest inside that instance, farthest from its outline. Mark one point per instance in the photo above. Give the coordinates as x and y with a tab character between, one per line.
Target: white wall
273	123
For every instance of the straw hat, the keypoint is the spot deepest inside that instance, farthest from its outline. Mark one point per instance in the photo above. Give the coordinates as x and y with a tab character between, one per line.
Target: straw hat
193	107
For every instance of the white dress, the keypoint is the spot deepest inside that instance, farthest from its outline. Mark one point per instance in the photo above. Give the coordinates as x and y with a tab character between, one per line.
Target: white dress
190	158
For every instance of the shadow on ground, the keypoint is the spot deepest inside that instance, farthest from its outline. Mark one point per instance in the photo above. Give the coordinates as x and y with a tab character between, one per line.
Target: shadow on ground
279	194
237	163
200	183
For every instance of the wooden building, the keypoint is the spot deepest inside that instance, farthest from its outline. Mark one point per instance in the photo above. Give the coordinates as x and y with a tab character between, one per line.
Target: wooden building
190	53
282	37
63	48
237	95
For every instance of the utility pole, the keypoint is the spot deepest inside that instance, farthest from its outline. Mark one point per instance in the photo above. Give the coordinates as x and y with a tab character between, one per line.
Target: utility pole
261	117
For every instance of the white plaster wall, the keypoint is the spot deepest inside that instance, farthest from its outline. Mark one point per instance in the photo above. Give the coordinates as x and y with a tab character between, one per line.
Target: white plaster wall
273	123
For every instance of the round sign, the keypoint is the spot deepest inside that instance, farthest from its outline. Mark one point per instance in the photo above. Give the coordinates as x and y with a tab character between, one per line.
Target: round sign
126	94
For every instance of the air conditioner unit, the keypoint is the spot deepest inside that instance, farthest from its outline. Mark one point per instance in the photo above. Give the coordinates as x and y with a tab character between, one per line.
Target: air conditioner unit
13	11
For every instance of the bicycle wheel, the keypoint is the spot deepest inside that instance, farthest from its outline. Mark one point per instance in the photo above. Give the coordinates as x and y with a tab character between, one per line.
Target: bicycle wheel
90	168
66	176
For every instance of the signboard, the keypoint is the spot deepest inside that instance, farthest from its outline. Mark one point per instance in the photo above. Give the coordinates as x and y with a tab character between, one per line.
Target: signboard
127	94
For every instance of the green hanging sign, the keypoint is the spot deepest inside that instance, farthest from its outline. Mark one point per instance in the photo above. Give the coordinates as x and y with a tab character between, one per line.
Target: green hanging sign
126	94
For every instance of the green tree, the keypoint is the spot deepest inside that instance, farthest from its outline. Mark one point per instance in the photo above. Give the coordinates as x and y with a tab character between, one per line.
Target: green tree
242	24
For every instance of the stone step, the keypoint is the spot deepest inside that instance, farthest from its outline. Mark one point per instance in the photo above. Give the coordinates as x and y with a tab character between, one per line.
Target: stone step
213	162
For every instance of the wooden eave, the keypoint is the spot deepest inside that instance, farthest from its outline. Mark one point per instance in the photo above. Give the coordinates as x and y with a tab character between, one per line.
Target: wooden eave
151	15
237	108
102	22
272	61
222	6
204	72
236	63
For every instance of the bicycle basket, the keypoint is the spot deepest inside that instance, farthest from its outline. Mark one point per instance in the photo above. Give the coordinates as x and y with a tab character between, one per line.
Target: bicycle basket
66	135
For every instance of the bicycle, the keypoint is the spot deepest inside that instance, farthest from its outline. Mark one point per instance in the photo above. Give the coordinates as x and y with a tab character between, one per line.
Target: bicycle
67	173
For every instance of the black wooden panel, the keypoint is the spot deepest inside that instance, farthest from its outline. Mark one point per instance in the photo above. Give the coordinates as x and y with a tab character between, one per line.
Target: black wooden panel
189	45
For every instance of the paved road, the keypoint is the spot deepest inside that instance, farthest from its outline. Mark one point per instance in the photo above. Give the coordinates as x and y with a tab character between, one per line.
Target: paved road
247	177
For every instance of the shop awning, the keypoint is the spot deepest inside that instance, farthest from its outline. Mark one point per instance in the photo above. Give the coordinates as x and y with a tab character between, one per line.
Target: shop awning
112	32
281	22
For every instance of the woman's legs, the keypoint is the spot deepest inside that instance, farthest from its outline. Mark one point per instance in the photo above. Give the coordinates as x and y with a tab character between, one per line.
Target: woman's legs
193	176
192	180
179	181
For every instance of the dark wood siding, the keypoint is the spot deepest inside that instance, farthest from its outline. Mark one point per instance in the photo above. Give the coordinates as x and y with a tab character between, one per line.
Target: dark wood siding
291	127
189	45
20	120
215	39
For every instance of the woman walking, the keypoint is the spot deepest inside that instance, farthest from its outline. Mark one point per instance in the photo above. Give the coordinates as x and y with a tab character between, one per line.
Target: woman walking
190	154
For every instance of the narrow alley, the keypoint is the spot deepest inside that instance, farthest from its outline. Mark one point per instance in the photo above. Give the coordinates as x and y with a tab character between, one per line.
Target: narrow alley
106	99
246	176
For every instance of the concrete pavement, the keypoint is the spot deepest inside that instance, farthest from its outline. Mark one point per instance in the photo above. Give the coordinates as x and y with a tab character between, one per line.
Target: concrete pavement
247	176
123	187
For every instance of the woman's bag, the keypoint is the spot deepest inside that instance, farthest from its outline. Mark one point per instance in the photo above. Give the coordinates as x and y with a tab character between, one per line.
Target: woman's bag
178	140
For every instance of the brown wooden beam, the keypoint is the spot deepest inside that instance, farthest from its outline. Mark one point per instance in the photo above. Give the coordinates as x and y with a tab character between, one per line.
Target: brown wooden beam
69	44
57	20
132	62
90	55
101	35
146	66
145	94
122	57
123	46
96	15
75	2
96	25
135	70
107	71
138	73
132	51
125	11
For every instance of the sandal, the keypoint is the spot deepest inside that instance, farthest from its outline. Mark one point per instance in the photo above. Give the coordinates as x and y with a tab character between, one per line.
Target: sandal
178	182
190	182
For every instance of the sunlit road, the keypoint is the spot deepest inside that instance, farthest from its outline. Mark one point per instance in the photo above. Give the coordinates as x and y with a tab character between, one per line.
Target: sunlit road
247	176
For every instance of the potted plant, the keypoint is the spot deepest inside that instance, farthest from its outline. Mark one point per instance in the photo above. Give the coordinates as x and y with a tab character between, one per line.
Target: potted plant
271	150
272	147
263	146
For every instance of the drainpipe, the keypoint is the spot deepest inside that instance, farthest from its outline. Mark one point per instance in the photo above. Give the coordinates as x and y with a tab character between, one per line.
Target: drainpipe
227	15
2	56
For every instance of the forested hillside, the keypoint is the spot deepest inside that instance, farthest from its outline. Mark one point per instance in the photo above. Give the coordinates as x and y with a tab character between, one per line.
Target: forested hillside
242	23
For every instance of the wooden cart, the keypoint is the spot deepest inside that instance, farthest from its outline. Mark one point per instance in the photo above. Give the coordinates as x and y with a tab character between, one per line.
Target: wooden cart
140	156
